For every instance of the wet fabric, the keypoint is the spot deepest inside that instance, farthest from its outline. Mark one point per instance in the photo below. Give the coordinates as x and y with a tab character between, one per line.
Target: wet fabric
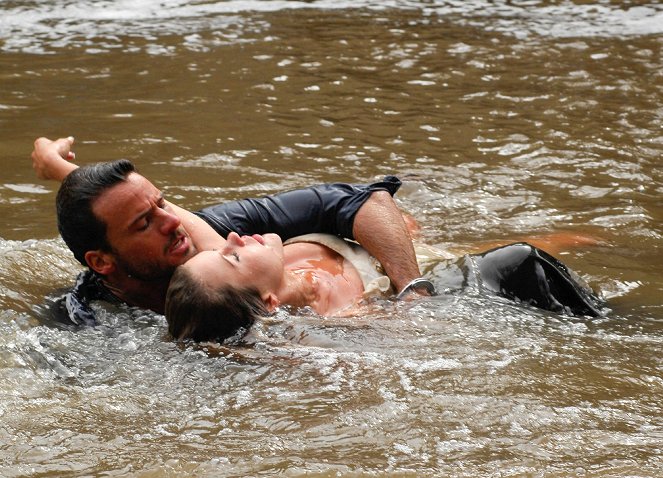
74	306
526	274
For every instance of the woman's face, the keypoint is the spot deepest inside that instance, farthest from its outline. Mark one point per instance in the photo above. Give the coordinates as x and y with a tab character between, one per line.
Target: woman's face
255	261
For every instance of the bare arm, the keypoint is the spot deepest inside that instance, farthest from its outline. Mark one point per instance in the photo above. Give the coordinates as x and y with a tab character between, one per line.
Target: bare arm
203	236
379	227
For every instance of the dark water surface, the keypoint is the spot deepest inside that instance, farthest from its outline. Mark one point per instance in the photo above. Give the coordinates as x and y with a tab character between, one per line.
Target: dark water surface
506	120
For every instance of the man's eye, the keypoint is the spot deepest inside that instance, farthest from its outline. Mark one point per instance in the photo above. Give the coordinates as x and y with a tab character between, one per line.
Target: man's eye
235	255
145	225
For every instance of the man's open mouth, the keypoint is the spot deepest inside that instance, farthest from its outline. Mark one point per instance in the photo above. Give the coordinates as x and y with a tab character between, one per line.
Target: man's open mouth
179	246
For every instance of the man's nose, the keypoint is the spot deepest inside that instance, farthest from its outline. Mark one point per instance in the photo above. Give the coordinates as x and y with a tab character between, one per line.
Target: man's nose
169	221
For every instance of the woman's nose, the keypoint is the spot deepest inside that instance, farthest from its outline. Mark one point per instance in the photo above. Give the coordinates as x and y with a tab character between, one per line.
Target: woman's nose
233	239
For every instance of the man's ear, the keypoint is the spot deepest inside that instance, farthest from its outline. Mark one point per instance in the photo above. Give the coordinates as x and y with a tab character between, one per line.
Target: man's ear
101	262
271	301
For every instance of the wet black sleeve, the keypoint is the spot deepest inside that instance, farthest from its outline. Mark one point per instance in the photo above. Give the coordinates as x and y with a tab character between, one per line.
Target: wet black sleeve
328	208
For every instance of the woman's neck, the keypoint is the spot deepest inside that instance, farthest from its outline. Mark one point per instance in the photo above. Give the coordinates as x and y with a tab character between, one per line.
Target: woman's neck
300	287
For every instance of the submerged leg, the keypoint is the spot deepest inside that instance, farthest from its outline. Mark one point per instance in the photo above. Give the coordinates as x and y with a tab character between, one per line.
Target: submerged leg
528	274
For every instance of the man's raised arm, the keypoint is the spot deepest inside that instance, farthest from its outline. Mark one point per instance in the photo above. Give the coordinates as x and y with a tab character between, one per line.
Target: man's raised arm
50	159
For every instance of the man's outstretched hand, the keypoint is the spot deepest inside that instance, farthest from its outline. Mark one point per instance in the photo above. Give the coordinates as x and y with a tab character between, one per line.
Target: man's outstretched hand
50	159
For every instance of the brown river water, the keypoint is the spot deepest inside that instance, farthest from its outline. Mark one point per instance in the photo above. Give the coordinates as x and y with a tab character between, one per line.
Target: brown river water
505	119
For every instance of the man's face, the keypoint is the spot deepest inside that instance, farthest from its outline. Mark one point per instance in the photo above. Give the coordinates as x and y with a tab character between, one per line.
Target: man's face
147	239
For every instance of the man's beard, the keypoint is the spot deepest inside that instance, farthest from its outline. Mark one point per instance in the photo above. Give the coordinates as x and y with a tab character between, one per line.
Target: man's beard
147	271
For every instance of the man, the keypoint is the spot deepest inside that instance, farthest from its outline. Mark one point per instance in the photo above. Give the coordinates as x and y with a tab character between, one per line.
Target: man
117	223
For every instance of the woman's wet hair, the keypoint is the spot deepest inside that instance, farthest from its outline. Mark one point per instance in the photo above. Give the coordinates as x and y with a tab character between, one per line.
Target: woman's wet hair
195	311
81	230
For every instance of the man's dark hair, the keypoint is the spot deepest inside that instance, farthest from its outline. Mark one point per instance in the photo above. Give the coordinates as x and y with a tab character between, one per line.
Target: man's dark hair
78	226
196	312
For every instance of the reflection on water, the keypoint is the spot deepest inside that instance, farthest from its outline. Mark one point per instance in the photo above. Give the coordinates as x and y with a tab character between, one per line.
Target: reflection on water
506	119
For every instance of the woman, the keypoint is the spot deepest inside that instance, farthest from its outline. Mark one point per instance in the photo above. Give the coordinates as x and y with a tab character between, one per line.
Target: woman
217	293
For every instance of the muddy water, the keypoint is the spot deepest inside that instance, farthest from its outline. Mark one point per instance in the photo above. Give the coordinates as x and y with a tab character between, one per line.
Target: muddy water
506	119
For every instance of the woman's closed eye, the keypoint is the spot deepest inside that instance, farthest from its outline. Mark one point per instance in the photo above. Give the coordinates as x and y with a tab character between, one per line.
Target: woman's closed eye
230	256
